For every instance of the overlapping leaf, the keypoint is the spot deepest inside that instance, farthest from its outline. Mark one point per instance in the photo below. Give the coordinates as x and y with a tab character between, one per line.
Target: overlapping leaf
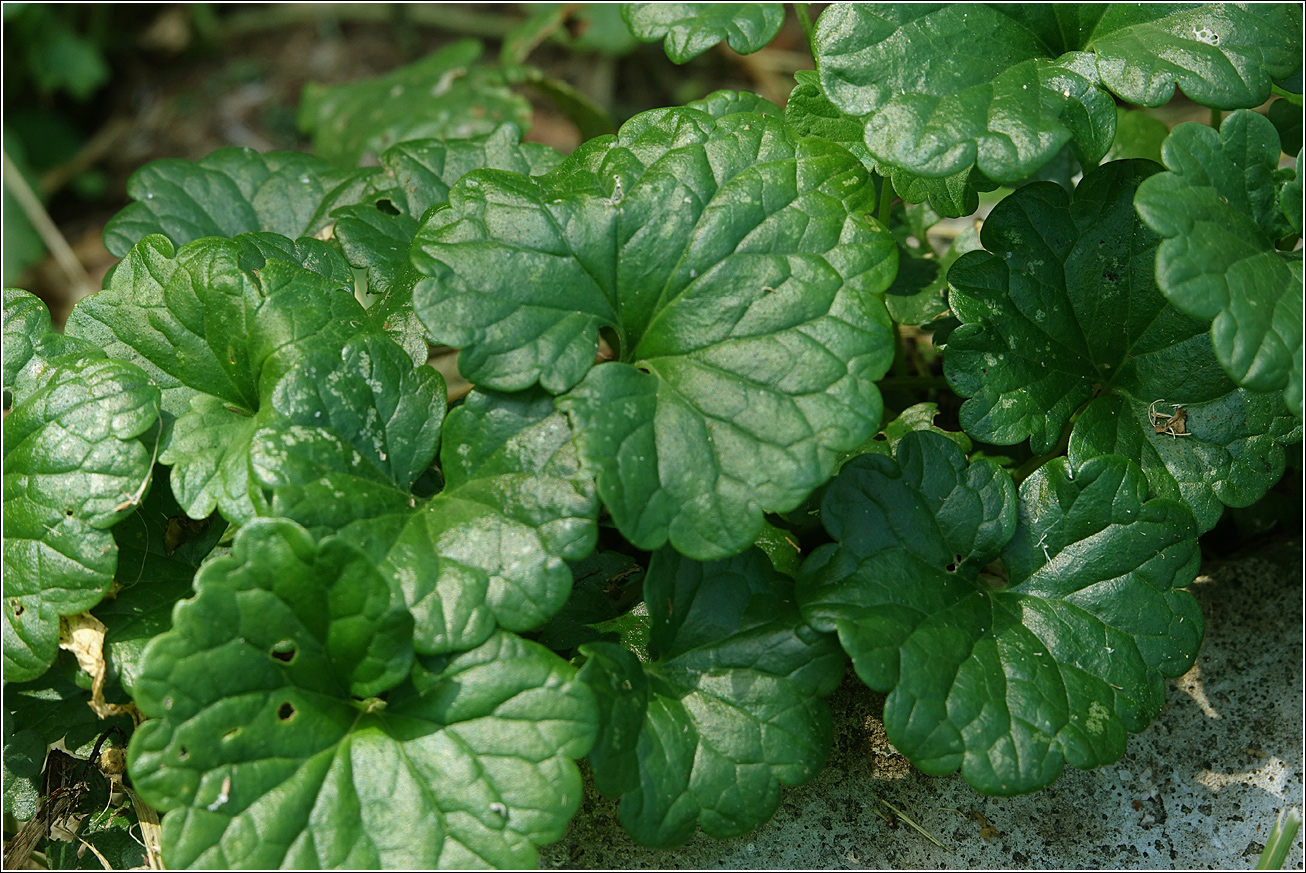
734	268
1063	312
1011	678
222	322
77	459
443	96
728	709
230	192
1033	78
489	550
810	111
267	746
689	29
1219	210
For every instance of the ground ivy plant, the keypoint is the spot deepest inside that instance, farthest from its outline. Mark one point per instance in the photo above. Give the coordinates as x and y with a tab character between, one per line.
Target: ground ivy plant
359	622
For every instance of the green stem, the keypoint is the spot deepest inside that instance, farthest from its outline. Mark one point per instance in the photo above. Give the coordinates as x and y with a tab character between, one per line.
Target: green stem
886	200
805	20
1216	117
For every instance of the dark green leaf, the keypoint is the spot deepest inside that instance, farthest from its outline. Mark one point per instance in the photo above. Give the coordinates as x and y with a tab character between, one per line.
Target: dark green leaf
442	96
1065	313
728	710
489	549
1219	212
1138	135
689	29
607	583
159	550
262	754
1006	678
724	258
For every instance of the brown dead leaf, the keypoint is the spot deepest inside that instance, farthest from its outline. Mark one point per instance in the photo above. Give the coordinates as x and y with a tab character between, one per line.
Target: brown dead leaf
83	635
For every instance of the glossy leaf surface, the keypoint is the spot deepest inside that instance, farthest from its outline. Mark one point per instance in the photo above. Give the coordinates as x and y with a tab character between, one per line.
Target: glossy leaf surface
689	29
77	459
728	709
489	550
1063	314
1006	679
1219	211
1036	77
735	269
267	748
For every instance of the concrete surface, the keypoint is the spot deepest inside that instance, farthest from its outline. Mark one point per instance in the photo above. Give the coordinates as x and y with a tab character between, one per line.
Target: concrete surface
1199	789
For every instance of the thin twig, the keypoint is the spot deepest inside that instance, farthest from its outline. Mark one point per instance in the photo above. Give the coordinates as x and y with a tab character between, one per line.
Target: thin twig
81	283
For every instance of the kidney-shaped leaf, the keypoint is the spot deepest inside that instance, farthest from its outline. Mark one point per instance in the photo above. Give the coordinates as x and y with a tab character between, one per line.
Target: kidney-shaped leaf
734	268
1064	311
31	345
1218	209
1033	76
76	461
267	746
728	709
1007	681
443	95
490	549
689	29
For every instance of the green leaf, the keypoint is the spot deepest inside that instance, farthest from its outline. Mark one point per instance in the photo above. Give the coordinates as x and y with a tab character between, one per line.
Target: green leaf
689	29
758	271
442	96
1007	679
488	550
721	103
32	347
1286	118
1036	77
606	584
376	231
230	192
1065	315
75	463
262	755
159	551
728	710
810	112
1219	212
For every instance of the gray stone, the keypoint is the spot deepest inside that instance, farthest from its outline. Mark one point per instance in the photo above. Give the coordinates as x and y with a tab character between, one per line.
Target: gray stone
1200	788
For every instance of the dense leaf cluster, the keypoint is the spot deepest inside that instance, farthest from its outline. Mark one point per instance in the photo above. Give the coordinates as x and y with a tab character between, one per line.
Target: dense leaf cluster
368	626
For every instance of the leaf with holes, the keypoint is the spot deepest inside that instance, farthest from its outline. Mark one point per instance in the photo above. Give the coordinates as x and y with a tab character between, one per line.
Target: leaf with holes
269	746
1006	678
442	96
1063	314
731	267
489	550
728	709
1036	77
78	451
1219	211
689	29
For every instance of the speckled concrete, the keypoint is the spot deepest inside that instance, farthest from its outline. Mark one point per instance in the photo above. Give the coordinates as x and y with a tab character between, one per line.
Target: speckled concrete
1199	789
